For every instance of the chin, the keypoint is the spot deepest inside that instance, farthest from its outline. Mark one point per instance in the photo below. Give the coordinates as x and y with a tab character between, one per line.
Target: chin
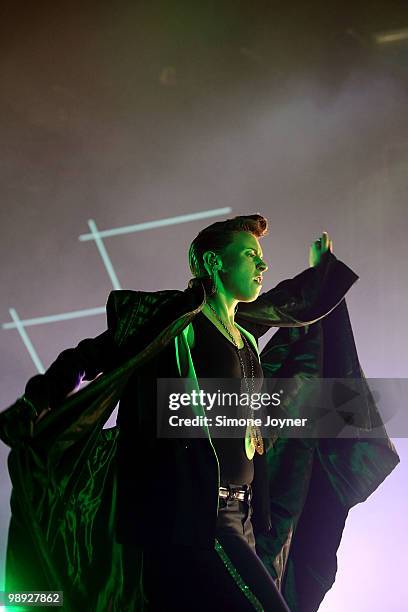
250	298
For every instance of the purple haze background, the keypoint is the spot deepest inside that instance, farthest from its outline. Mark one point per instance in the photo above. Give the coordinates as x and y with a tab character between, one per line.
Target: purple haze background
136	112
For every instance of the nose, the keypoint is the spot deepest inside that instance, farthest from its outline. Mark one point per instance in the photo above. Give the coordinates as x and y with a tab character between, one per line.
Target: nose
262	266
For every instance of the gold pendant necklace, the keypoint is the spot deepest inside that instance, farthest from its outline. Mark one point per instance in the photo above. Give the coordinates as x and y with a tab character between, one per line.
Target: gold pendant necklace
253	441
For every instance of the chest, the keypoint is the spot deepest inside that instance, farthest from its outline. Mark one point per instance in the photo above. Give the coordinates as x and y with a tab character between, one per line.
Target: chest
215	356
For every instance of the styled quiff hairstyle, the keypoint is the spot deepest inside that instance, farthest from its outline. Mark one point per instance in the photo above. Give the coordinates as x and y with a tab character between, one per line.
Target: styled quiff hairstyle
217	236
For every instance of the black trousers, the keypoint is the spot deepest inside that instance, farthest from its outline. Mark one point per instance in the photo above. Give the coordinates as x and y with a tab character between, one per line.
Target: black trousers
230	577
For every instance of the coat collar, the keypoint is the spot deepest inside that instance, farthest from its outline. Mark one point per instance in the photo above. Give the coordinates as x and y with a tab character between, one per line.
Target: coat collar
153	319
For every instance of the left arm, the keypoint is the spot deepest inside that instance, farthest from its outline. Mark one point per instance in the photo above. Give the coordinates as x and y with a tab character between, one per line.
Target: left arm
304	299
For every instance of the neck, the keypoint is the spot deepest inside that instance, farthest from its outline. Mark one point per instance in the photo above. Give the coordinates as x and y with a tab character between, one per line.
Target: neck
223	306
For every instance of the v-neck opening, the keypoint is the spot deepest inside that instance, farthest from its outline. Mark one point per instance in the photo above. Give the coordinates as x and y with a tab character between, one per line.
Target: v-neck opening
225	337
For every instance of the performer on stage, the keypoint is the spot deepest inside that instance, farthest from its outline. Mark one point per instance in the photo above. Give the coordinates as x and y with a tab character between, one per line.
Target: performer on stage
120	519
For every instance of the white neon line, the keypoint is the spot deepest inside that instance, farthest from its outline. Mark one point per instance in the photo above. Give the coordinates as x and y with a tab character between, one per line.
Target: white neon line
128	229
391	36
103	253
29	346
75	314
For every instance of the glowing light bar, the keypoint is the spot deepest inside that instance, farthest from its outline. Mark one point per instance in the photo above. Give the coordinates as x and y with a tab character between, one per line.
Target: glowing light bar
65	316
391	36
28	344
96	235
139	227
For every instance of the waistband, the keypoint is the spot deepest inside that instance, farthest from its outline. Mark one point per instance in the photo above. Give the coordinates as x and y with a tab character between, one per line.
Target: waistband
239	492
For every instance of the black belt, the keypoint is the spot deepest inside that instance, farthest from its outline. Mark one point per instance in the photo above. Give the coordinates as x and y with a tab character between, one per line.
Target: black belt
241	493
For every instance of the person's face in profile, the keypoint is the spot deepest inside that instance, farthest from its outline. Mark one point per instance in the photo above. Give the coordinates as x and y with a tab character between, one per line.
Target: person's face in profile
242	267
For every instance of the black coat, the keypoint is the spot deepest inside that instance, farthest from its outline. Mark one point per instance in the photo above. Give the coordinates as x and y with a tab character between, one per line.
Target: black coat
82	494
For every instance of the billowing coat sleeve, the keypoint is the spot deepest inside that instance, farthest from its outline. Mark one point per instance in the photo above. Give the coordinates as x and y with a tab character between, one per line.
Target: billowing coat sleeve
344	472
64	482
313	483
301	300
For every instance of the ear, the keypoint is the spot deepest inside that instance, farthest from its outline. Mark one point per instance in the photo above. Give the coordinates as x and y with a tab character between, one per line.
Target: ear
211	260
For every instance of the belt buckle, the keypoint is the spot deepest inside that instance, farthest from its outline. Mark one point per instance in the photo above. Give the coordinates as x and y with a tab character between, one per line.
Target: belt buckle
229	494
233	494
